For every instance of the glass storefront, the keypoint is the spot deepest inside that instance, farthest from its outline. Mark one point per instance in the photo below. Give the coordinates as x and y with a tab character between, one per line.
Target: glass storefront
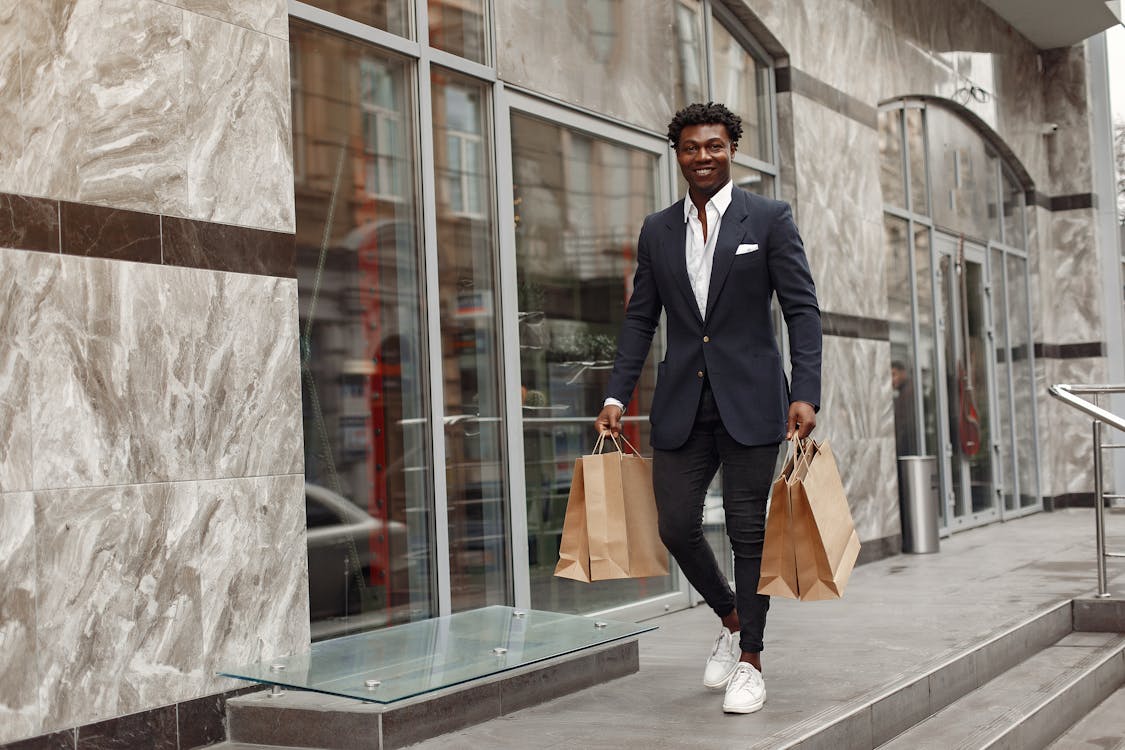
442	214
958	312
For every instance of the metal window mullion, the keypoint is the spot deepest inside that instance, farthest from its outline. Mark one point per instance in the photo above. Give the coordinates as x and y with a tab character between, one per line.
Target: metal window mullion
347	26
433	335
752	163
509	312
708	57
1016	491
460	64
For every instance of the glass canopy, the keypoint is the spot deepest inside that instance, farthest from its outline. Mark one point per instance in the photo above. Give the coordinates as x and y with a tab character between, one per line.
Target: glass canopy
388	665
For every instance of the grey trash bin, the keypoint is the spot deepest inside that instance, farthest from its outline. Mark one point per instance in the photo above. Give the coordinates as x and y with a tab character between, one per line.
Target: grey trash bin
918	489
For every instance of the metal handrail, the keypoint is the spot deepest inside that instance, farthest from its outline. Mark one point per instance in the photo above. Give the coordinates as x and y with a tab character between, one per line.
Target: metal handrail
1068	395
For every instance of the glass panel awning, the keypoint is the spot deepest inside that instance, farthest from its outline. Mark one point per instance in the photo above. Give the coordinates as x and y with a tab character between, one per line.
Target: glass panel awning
388	665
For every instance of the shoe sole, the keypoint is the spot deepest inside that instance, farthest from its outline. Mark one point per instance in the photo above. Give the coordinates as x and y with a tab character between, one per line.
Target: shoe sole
745	709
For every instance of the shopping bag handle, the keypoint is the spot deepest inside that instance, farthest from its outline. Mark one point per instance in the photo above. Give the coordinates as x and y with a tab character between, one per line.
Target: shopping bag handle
631	447
599	446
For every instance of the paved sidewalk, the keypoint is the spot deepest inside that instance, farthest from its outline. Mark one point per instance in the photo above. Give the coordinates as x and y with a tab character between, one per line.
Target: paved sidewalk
899	614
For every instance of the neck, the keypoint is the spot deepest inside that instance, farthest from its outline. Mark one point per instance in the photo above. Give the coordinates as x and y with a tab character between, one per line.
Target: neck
700	198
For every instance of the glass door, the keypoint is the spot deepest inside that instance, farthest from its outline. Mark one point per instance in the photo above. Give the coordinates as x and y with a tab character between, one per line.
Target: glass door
581	189
964	328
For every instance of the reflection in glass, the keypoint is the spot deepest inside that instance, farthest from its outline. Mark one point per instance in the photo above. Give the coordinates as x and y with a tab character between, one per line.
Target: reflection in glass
965	177
1003	390
891	176
388	15
580	201
747	178
363	366
916	151
946	279
690	68
742	83
470	345
620	56
1023	380
973	384
897	247
927	354
457	26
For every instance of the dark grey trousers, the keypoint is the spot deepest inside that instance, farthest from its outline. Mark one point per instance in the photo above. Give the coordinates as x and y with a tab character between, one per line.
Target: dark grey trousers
680	479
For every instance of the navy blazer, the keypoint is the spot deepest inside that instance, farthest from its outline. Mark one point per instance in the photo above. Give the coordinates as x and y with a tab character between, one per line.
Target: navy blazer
734	346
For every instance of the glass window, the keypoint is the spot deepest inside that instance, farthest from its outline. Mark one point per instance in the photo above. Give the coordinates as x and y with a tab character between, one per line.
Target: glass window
896	234
1003	383
457	26
916	152
891	175
691	67
753	180
927	339
479	568
965	177
388	15
615	57
580	201
363	363
742	83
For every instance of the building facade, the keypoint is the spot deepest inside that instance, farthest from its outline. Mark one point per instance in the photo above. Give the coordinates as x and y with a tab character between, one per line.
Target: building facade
306	309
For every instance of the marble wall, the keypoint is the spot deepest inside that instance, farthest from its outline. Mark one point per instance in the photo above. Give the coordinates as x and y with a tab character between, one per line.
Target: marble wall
153	521
175	108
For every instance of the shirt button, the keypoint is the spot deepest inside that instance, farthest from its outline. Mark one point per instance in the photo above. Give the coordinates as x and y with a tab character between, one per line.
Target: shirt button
700	373
706	339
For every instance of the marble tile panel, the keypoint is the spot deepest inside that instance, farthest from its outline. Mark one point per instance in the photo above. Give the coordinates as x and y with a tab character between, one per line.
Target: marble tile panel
20	715
903	67
153	730
867	467
829	43
1069	283
11	135
120	627
254	572
115	68
47	164
1066	464
64	740
787	186
246	407
238	112
848	262
267	16
102	232
21	275
857	402
1068	149
112	396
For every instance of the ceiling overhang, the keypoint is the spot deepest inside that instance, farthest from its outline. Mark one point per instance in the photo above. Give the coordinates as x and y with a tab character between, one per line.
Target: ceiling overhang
1058	23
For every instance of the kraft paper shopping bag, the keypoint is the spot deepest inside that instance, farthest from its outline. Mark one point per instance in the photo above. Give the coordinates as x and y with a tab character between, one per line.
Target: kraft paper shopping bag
574	547
826	542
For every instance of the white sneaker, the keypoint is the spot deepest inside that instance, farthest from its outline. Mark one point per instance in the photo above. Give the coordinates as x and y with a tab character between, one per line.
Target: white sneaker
723	661
746	692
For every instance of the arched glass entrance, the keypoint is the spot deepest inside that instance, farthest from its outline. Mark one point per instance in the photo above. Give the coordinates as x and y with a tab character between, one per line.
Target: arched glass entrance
958	303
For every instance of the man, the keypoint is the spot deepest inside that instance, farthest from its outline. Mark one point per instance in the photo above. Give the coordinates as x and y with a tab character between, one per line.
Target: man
712	263
905	425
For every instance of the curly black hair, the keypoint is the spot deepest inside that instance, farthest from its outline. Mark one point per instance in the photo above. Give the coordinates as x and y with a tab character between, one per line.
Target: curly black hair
710	113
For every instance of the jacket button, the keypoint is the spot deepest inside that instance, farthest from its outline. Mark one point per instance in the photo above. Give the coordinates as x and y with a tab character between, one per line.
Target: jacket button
700	373
706	339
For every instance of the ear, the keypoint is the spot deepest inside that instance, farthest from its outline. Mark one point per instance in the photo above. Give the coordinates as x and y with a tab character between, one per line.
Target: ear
733	148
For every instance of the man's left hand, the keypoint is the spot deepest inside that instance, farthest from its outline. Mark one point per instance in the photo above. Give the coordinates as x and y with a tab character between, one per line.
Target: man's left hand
802	420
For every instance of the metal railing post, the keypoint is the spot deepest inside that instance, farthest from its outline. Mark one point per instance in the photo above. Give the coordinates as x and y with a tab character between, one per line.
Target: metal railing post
1099	511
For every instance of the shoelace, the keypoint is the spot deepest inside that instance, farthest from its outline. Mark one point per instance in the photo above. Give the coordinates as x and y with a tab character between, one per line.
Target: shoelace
741	676
718	642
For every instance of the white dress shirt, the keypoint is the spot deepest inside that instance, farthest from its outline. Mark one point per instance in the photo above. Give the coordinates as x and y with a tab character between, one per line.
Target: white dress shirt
699	252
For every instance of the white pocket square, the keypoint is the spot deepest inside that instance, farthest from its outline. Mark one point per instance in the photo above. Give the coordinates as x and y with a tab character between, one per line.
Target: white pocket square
743	249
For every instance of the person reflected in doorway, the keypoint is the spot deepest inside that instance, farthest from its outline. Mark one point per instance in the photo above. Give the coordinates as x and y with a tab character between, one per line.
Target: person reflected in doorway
906	426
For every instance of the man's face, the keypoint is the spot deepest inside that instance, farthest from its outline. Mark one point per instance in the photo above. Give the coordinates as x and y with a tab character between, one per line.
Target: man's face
704	153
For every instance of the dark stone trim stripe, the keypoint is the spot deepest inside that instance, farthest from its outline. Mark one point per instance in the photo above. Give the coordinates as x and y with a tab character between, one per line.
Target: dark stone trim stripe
180	726
1073	202
879	549
782	80
29	223
83	229
1081	350
1068	500
820	92
855	327
1035	198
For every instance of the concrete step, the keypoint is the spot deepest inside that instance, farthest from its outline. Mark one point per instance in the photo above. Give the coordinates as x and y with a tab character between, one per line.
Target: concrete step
1029	705
248	746
1101	729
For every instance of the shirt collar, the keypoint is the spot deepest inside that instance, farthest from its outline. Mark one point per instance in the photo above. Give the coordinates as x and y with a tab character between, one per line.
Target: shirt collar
720	200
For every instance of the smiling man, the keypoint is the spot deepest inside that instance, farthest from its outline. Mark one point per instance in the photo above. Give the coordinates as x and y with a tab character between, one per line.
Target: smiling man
712	262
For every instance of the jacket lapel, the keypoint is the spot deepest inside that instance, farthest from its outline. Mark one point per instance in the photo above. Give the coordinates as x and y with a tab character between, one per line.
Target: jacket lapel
730	232
675	246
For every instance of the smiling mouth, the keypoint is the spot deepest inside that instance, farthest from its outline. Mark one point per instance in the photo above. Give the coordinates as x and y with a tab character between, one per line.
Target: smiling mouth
704	172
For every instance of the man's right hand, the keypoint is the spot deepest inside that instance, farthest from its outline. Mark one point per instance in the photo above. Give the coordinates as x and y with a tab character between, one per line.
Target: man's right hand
609	420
